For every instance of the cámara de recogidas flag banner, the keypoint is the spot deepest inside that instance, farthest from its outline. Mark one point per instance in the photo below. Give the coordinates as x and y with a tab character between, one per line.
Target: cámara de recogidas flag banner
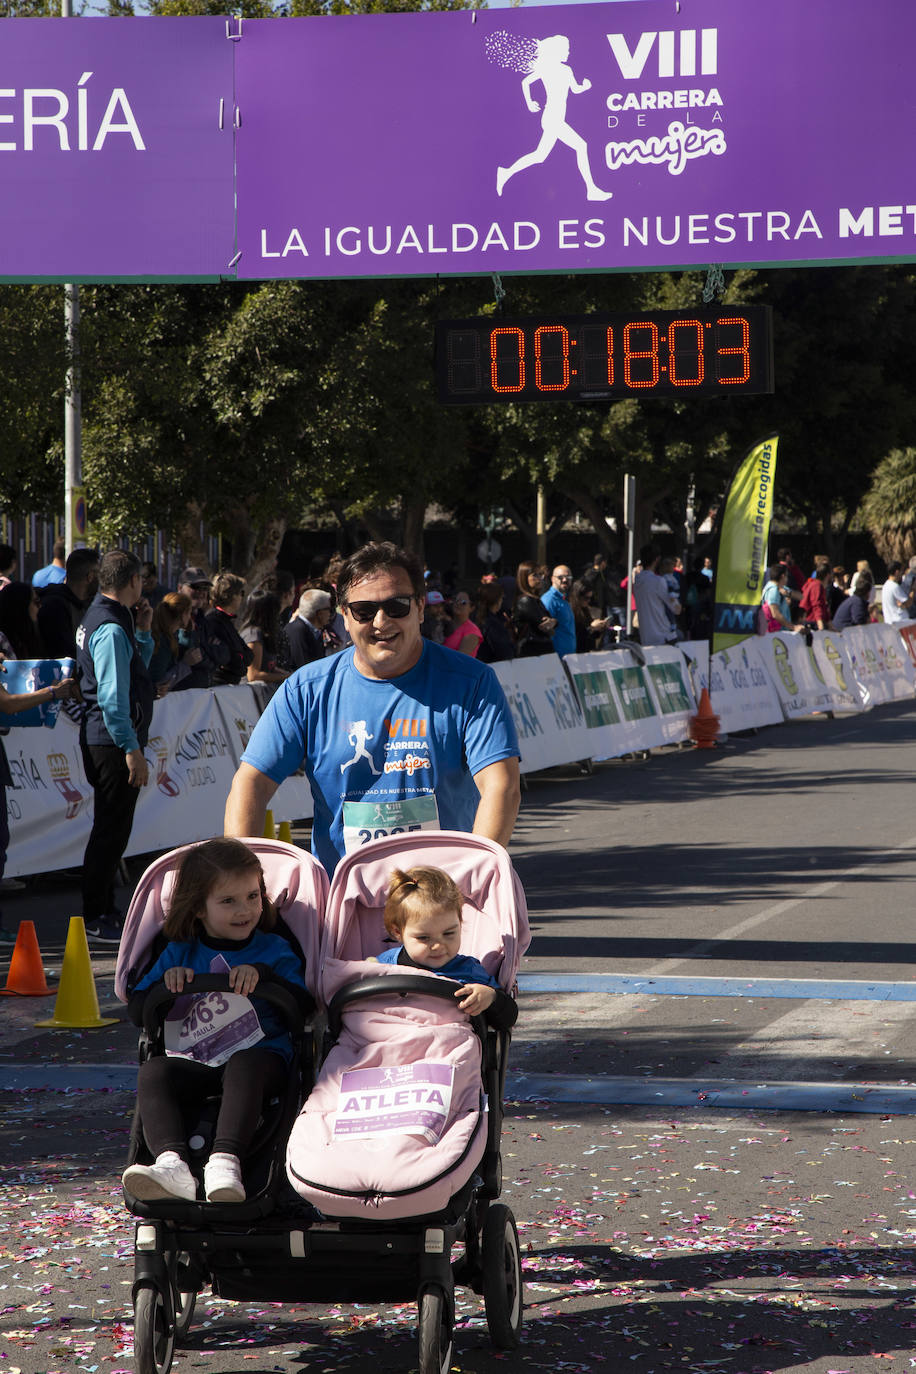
741	563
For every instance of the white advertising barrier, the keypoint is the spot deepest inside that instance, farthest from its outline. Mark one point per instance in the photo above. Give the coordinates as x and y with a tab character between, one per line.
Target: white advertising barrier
49	805
796	675
880	662
741	690
667	673
192	763
240	710
696	659
549	721
832	656
620	709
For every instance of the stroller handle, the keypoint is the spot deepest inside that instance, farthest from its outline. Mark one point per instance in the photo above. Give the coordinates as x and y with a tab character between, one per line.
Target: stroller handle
159	1000
397	984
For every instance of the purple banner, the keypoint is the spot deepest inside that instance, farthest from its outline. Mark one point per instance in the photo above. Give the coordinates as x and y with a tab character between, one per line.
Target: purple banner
112	161
590	137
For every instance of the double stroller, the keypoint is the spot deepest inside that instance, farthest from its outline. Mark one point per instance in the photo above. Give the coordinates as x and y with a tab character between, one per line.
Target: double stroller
375	1177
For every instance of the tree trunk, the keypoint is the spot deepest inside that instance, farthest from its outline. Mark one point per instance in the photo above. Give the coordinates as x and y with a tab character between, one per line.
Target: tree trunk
413	516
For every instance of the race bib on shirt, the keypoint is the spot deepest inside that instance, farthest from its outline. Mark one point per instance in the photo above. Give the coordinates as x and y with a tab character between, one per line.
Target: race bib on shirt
209	1027
406	1099
376	820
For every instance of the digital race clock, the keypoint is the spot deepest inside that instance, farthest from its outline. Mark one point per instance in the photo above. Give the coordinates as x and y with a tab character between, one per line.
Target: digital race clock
720	352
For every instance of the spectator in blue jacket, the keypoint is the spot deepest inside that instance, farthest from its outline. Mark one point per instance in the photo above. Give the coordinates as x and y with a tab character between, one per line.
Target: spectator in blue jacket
556	604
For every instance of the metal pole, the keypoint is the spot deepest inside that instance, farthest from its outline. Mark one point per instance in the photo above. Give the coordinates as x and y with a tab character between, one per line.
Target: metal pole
629	519
73	433
541	525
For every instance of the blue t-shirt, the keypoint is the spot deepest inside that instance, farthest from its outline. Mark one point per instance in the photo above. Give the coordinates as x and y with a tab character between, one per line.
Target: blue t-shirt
385	757
464	968
564	636
260	948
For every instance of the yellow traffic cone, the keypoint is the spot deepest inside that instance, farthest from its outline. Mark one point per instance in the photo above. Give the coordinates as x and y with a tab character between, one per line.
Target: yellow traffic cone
270	830
26	977
77	1005
284	832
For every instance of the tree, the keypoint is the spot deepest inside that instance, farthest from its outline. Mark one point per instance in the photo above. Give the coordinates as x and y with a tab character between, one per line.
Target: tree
889	508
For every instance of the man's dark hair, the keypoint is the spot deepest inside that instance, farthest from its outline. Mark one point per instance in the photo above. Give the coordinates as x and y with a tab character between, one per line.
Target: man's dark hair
225	586
893	568
375	558
864	584
116	569
649	554
149	570
8	556
59	549
80	563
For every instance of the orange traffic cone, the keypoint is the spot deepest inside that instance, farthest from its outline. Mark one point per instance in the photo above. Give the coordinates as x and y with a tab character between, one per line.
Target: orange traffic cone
704	726
285	832
26	977
77	1005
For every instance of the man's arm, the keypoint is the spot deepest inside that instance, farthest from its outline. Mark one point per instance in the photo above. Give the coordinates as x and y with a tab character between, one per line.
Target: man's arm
500	797
246	805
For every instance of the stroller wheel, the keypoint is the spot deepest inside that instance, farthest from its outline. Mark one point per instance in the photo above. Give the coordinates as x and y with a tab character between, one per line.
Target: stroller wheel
154	1336
435	1322
502	1277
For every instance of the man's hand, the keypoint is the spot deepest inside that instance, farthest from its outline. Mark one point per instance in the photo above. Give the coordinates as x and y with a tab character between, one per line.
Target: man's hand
144	614
137	768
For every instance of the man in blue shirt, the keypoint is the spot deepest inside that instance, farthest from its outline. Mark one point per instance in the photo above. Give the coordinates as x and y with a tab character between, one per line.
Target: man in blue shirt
397	734
56	570
556	603
111	662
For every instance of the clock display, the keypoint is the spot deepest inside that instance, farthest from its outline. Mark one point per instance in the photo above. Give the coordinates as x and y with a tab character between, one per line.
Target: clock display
596	357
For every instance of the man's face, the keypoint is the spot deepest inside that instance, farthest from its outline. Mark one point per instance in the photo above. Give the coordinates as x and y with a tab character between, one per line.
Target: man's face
198	592
149	583
385	646
562	579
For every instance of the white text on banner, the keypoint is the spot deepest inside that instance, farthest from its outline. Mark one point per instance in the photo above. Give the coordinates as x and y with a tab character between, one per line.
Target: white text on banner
741	690
550	725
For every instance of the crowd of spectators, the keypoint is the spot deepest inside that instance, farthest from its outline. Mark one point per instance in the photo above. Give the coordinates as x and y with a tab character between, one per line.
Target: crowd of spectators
830	598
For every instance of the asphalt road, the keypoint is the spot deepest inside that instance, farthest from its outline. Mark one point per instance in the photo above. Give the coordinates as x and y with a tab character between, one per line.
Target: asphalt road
661	1237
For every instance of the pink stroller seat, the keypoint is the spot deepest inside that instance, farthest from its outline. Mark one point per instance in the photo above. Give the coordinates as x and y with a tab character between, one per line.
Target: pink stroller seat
397	1122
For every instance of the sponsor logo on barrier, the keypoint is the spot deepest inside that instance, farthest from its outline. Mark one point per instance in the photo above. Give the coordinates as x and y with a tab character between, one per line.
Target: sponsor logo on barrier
164	781
634	694
670	689
59	765
524	716
597	699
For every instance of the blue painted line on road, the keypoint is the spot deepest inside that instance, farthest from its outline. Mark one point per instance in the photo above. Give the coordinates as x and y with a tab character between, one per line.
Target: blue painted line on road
599	1090
736	1094
822	989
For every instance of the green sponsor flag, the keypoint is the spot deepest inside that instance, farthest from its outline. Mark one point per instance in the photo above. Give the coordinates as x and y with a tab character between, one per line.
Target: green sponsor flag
741	564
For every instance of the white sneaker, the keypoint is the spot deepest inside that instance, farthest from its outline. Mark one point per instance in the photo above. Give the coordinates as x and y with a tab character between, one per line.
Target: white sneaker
168	1177
223	1179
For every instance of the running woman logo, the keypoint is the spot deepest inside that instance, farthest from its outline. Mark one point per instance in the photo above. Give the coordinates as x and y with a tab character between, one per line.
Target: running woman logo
59	765
544	60
166	784
358	737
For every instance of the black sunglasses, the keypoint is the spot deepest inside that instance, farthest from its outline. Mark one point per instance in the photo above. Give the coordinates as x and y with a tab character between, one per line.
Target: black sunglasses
395	606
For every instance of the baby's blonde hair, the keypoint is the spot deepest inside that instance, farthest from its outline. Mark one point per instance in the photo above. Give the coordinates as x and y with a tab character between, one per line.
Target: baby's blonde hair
415	890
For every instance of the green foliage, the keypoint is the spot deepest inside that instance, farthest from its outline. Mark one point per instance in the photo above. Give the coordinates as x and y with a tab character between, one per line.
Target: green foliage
889	508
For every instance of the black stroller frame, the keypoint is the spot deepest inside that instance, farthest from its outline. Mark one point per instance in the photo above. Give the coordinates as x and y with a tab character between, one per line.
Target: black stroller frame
276	1247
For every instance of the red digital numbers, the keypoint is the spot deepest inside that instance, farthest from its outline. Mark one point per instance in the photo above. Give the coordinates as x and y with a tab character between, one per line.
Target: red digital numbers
741	351
505	360
606	356
633	355
690	353
546	336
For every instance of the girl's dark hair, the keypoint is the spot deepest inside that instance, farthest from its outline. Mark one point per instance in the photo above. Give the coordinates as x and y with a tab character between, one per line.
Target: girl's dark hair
416	890
15	621
489	596
200	870
524	573
263	612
